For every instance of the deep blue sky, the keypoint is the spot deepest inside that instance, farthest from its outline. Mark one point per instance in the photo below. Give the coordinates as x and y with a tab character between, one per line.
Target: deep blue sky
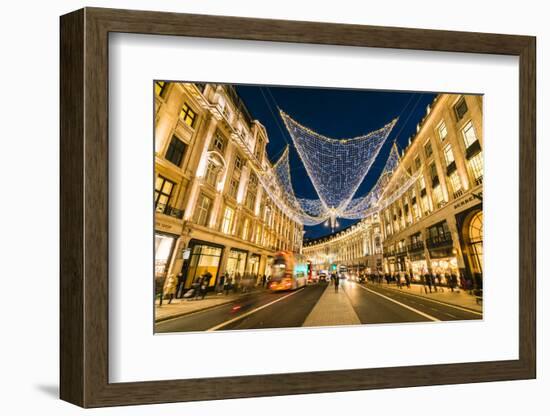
335	113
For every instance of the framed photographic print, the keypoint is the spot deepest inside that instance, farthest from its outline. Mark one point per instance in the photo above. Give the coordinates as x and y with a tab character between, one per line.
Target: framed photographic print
242	198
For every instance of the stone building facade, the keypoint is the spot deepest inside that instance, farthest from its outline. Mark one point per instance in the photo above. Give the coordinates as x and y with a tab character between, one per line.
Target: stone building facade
434	224
213	211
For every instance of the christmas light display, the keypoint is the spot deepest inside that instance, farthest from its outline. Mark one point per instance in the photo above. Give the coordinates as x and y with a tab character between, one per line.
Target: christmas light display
360	207
336	167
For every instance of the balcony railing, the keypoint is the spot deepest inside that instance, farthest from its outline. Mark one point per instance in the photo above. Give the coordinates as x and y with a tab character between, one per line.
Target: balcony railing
442	240
170	211
416	246
401	251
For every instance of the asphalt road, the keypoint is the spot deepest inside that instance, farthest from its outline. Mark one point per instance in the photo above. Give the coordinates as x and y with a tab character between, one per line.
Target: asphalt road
278	310
373	304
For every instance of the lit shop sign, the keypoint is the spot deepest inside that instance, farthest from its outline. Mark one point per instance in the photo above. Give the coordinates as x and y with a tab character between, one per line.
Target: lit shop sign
472	197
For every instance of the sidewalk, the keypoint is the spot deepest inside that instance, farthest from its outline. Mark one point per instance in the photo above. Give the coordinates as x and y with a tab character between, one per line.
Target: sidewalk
180	307
458	297
332	308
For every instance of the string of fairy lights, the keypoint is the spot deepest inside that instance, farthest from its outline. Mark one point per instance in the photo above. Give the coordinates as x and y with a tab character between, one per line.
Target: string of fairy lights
336	169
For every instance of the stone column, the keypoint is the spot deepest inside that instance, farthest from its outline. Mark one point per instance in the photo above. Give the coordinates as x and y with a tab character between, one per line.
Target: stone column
201	152
451	222
243	183
223	263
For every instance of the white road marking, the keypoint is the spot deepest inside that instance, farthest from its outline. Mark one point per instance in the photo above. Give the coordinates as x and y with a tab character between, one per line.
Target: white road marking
425	315
445	304
450	314
244	315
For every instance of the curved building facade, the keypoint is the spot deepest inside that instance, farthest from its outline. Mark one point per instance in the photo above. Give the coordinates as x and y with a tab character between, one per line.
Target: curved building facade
434	224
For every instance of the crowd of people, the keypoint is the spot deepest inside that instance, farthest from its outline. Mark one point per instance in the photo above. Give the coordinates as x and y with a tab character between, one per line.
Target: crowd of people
432	282
174	288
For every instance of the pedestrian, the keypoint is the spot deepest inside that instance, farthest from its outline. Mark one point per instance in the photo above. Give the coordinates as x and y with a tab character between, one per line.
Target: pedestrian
179	285
169	288
227	285
237	282
428	279
407	280
264	280
159	284
196	286
434	282
205	284
454	281
449	282
423	282
336	281
221	283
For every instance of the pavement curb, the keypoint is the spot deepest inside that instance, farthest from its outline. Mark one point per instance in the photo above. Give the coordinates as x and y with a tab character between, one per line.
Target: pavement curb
180	314
427	297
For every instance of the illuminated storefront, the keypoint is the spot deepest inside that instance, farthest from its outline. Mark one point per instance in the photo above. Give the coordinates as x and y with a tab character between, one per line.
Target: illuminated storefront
253	265
164	245
236	262
204	258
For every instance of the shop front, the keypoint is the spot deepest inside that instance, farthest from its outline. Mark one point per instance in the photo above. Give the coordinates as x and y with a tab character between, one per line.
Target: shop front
204	257
268	265
253	265
470	224
418	266
236	263
164	247
445	267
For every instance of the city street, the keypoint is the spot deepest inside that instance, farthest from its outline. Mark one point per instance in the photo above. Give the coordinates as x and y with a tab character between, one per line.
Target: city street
320	305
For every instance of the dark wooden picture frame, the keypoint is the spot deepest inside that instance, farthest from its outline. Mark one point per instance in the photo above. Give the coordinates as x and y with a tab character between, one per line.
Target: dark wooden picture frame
84	218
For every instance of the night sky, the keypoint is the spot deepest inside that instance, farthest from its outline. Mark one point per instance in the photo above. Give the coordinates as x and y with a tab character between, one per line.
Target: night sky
338	114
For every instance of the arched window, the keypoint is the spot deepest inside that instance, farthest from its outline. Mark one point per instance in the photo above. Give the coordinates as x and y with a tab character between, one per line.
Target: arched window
475	236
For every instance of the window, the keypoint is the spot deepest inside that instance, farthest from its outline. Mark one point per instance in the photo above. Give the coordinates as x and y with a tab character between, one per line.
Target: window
233	188
476	167
469	134
439	230
251	192
426	204
456	186
211	174
250	199
417	163
449	157
415	210
259	147
438	195
428	149
160	88
238	162
461	109
176	151
433	175
163	192
202	212
188	115
422	182
227	222
258	234
246	228
442	130
219	143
